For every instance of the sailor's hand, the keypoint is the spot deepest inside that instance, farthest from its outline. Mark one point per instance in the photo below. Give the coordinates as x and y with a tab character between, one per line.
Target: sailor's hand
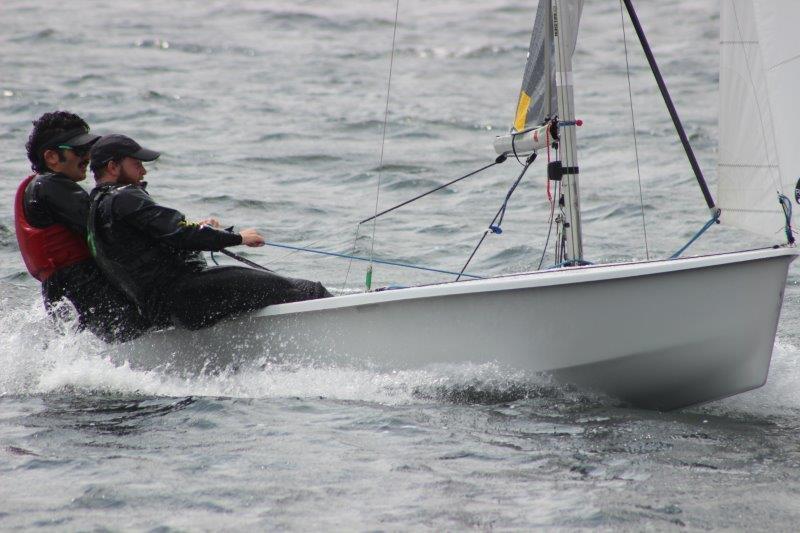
213	222
250	237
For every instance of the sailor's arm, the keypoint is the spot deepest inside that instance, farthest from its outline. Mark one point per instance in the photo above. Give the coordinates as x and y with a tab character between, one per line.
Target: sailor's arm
135	207
250	236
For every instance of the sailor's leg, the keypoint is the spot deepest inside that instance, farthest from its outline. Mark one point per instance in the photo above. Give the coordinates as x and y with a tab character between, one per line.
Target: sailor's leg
200	300
106	311
102	308
60	310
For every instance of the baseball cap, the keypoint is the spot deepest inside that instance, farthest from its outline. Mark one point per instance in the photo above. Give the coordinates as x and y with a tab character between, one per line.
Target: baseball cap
115	146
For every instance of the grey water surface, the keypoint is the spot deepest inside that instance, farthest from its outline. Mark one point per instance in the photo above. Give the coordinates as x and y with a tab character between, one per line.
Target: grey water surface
270	114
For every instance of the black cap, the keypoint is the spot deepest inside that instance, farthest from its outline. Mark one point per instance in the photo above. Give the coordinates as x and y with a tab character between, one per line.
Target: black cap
75	137
115	145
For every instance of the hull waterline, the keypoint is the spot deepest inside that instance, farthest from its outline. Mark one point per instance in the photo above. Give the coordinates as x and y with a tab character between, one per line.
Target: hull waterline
661	334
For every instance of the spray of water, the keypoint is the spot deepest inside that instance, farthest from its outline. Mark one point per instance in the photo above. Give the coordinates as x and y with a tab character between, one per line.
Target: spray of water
42	356
39	356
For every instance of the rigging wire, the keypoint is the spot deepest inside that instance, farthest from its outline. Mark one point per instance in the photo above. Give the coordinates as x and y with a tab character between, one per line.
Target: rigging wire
560	250
253	264
367	259
383	144
550	225
550	199
350	263
500	159
558	195
494	226
633	127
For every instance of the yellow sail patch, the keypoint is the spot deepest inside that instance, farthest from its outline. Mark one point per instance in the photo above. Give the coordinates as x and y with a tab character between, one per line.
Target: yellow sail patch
522	111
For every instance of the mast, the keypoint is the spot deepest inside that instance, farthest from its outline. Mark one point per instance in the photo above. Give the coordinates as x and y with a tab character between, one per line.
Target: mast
566	115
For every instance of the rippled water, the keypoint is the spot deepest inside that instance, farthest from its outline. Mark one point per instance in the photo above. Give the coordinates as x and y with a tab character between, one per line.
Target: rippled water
271	115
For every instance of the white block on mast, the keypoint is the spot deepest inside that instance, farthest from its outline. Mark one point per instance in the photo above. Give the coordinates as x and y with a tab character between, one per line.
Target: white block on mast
523	143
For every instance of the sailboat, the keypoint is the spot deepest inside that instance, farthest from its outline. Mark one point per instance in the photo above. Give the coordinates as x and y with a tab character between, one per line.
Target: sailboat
658	334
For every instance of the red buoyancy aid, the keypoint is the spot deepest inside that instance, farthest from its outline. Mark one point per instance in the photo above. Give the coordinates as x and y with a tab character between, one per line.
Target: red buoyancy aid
46	250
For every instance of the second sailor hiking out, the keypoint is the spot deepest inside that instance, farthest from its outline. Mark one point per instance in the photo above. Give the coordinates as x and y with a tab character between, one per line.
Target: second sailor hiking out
153	254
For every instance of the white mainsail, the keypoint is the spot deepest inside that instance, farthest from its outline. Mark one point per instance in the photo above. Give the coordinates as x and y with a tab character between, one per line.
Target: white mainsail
759	76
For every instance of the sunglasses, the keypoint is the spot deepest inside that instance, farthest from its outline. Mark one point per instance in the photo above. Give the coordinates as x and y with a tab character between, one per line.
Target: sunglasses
80	151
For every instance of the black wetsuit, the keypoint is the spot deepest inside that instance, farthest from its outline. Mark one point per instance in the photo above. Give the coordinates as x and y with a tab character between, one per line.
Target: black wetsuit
153	254
102	308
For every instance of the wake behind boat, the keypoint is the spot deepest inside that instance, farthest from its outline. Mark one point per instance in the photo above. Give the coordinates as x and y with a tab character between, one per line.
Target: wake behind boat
659	334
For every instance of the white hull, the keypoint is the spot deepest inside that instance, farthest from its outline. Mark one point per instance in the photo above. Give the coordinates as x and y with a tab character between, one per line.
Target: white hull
660	334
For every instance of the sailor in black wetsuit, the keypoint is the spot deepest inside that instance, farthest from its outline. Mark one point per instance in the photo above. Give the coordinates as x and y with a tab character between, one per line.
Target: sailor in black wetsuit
51	211
154	254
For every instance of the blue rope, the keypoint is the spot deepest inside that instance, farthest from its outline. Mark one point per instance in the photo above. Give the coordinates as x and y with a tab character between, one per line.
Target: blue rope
367	259
708	224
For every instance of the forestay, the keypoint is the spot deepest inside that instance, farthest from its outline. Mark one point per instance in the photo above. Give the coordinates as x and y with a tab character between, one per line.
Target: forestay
759	113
